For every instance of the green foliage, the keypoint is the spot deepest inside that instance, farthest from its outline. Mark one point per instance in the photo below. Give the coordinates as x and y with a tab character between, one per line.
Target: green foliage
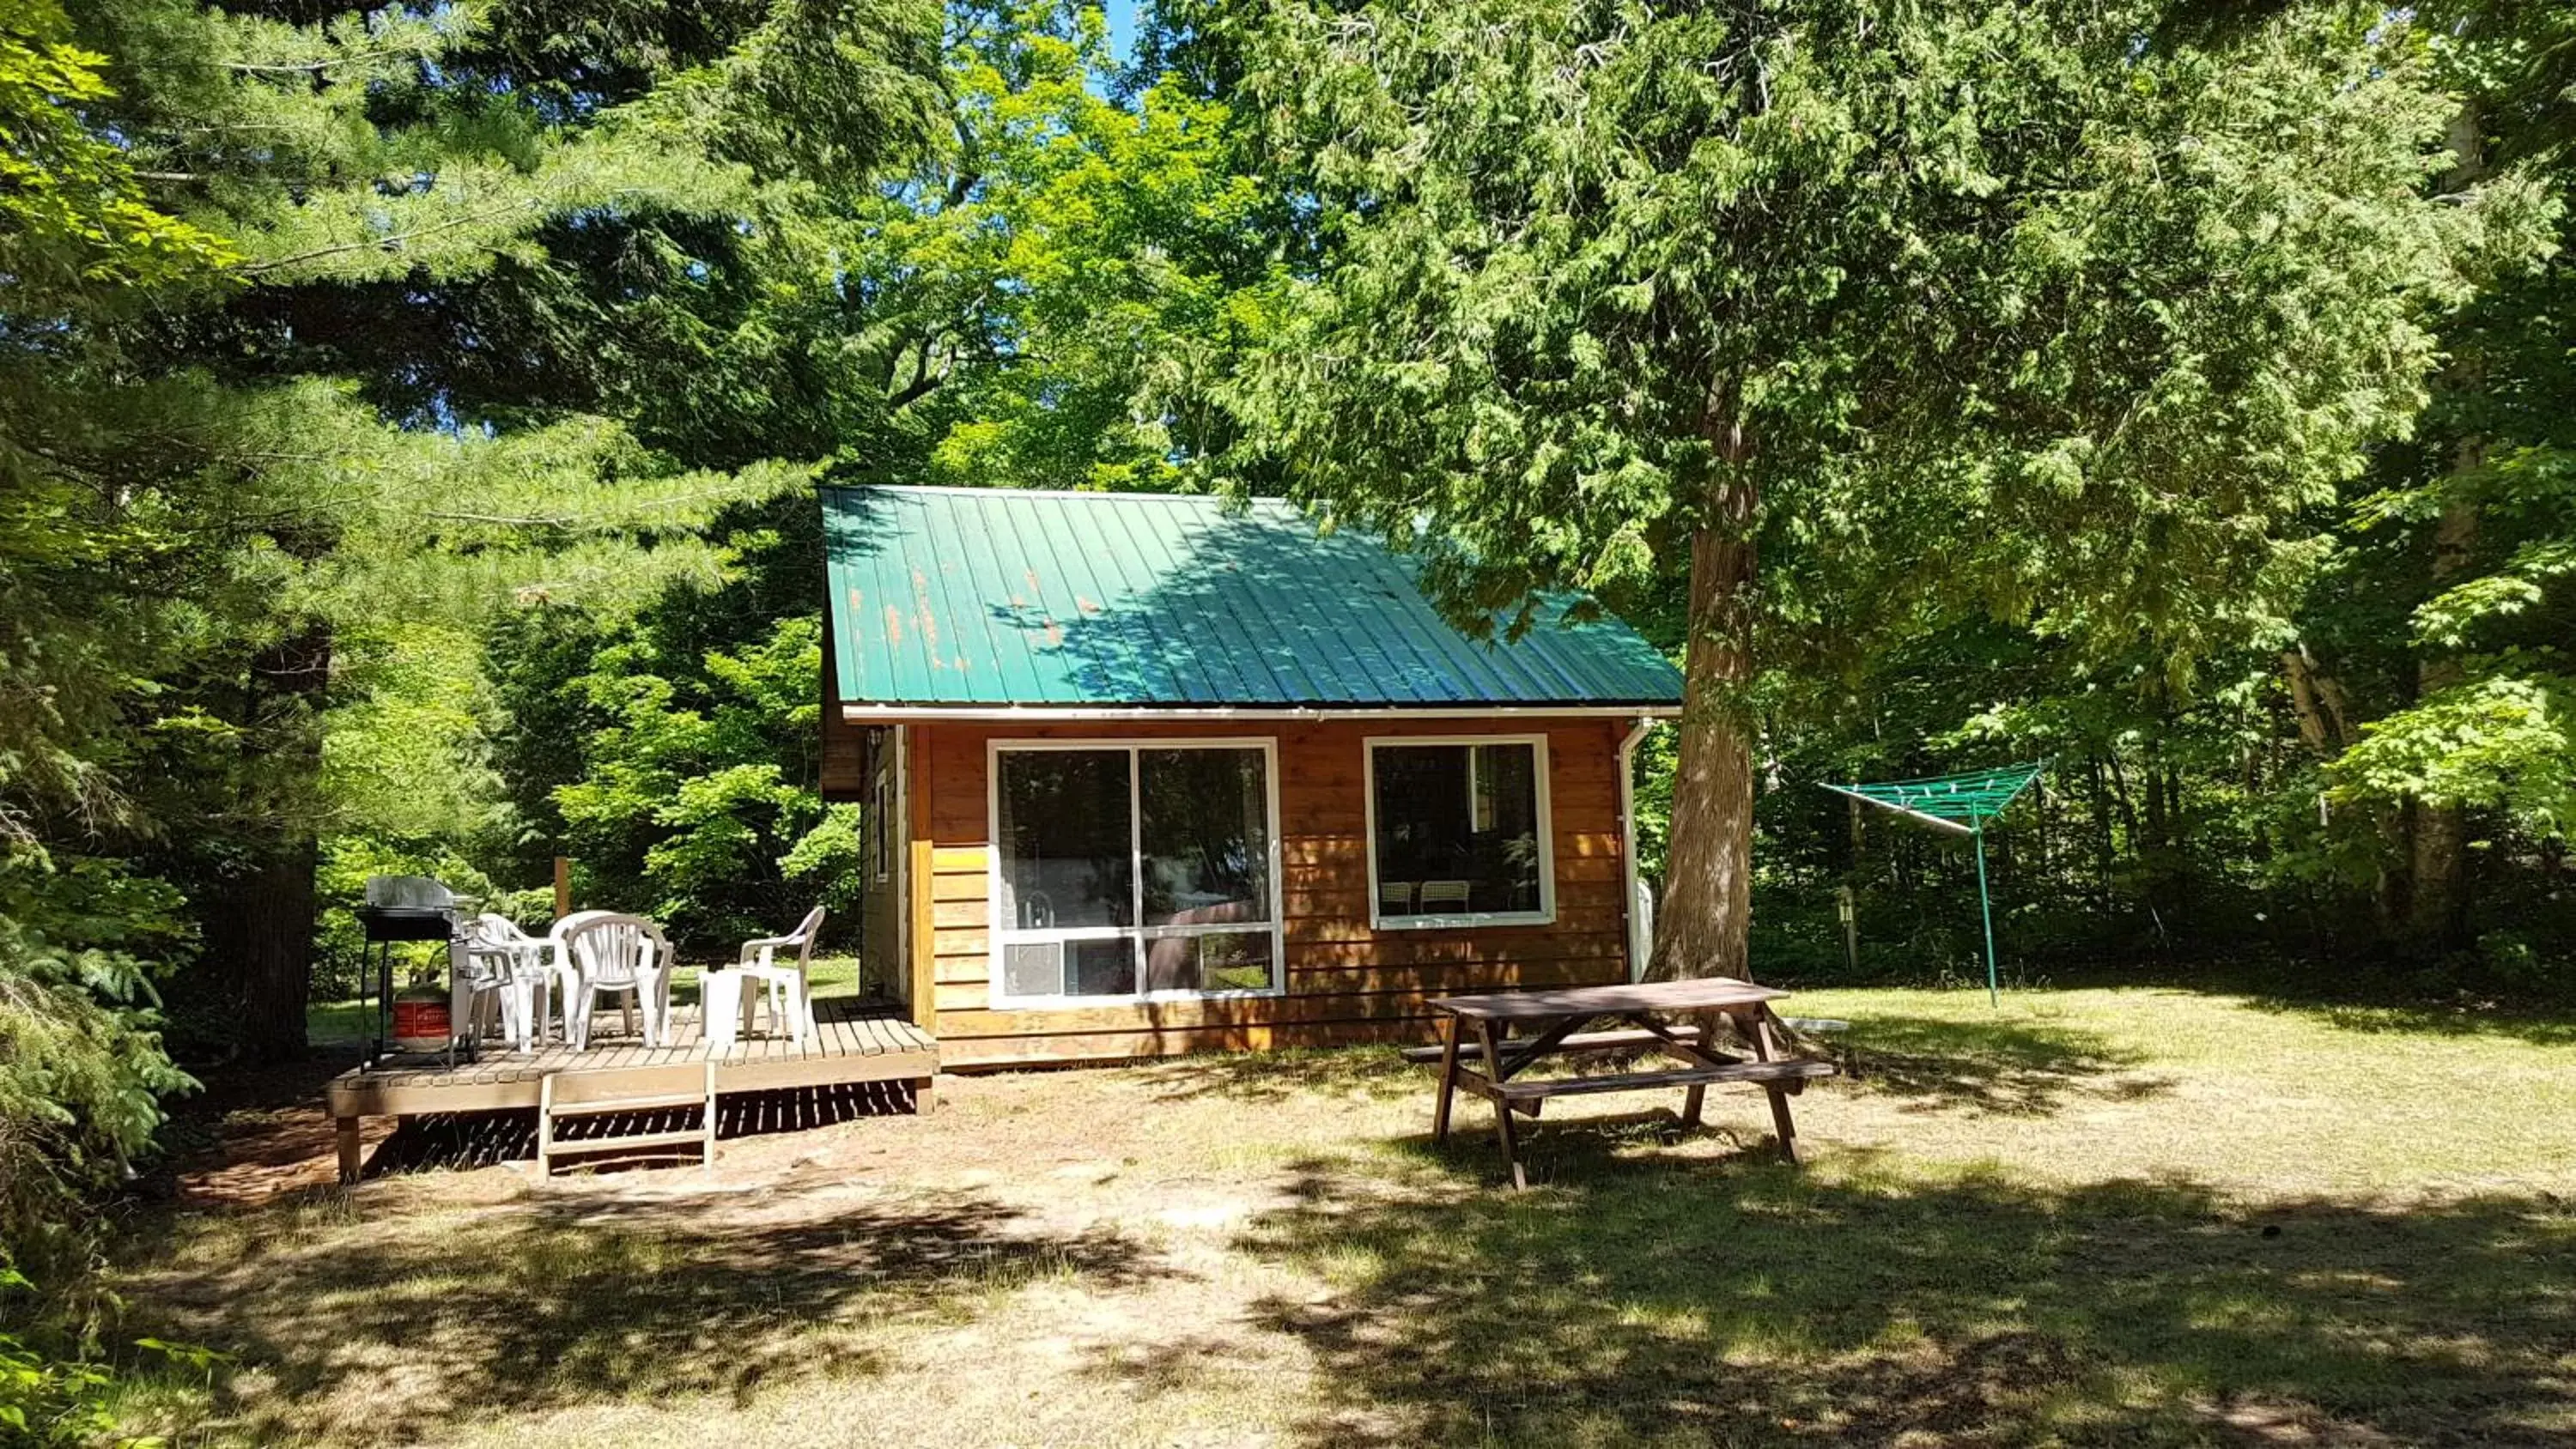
50	1396
81	936
1051	300
293	513
246	562
1995	309
712	774
44	1400
2027	347
82	1069
72	213
408	417
2500	743
2444	619
465	172
1105	243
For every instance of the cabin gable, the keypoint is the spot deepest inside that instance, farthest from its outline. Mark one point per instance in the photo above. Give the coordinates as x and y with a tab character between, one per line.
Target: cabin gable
1160	774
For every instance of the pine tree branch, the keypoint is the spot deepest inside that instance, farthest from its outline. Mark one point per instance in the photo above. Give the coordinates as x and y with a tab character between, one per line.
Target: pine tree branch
387	243
316	67
574	520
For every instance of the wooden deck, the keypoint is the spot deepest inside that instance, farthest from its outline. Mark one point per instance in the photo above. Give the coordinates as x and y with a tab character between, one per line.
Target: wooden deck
854	1041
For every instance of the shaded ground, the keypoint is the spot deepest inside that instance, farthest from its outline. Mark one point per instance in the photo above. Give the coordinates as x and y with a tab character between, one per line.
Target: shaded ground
2098	1217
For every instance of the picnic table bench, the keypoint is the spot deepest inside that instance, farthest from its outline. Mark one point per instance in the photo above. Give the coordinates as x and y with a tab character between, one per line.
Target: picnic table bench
1554	1022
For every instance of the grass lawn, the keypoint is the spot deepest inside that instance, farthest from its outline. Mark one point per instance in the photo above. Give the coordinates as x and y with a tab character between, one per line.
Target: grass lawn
2094	1217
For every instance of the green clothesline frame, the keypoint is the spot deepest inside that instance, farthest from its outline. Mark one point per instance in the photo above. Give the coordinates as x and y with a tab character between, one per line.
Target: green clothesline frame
1957	805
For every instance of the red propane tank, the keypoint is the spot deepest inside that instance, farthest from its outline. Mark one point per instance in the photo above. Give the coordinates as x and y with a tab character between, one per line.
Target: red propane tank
420	1020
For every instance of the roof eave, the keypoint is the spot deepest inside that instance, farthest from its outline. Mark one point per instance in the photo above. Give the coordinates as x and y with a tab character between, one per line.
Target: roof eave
893	713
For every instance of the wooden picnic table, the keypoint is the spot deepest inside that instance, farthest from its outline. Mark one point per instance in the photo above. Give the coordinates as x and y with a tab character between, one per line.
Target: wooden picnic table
1553	1022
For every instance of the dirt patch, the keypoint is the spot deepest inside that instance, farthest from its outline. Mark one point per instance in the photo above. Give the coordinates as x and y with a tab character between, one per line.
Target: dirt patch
261	1156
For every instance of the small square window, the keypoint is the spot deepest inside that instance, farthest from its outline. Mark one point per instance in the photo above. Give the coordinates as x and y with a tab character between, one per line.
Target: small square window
1458	831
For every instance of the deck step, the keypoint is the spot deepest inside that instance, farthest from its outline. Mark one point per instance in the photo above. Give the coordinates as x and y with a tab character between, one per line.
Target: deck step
630	1141
662	1102
549	1111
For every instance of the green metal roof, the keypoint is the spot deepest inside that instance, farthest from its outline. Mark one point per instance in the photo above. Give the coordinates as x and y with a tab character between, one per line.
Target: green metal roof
997	596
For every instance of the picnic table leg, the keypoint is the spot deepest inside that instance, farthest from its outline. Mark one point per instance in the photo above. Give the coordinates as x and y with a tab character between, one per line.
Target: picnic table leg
1448	1078
1777	1091
1503	1132
1697	1096
351	1146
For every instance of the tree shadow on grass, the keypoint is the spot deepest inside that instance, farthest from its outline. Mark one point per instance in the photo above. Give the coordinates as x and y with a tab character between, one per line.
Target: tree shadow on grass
1290	1075
2016	1068
2452	1020
1644	1302
2358	996
341	1333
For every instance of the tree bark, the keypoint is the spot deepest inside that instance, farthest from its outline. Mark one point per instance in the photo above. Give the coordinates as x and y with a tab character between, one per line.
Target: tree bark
259	923
2104	847
2327	728
1708	879
2325	721
1703	927
259	938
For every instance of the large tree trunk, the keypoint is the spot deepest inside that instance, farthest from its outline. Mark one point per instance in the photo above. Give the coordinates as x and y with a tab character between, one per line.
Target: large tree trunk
2325	720
259	938
259	924
1700	929
2327	727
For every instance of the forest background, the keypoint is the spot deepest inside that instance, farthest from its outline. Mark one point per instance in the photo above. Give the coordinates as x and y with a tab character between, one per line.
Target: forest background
410	416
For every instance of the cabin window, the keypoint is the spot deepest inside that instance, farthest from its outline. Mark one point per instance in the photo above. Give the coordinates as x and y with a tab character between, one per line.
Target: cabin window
1145	870
877	847
1458	831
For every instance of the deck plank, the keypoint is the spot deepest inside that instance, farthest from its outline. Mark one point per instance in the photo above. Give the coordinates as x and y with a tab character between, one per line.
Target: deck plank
853	1042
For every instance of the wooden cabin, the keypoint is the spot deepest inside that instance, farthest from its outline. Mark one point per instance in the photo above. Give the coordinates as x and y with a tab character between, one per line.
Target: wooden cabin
1150	774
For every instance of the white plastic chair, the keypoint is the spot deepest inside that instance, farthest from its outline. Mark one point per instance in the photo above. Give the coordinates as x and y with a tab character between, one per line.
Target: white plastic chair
478	981
609	953
784	984
517	970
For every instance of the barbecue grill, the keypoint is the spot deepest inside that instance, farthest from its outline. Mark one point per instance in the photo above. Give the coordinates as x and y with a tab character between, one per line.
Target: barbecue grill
400	909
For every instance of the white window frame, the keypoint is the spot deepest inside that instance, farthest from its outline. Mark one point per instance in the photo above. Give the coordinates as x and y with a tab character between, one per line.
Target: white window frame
1545	915
1000	935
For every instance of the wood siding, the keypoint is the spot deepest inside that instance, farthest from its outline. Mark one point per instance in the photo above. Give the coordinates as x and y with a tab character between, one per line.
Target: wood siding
1346	982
